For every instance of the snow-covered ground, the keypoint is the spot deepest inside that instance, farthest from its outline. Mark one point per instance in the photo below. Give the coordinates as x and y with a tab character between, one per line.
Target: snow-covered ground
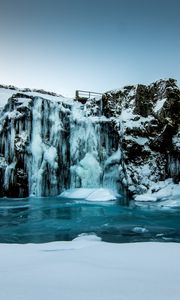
162	190
89	269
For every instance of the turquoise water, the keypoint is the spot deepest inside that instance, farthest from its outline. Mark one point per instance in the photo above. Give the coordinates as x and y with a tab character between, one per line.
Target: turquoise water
39	220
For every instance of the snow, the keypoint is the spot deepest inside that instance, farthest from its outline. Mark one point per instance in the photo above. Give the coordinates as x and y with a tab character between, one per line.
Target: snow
90	194
161	190
57	98
145	197
159	104
114	158
24	101
87	268
139	140
5	94
128	119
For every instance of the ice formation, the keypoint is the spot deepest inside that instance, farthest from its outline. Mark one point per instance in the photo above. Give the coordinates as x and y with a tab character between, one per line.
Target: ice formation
128	141
48	146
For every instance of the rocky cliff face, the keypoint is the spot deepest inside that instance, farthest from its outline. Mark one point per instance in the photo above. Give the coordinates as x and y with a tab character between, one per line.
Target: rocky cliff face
149	132
127	141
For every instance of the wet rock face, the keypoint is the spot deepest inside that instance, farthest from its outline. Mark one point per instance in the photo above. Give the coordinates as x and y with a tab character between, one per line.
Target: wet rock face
127	141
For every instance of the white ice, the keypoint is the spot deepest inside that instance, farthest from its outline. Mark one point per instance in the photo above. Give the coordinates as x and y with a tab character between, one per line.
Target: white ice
88	170
99	194
87	268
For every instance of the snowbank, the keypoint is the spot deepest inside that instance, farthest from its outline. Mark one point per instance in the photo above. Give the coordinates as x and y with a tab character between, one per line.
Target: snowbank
89	194
87	268
161	190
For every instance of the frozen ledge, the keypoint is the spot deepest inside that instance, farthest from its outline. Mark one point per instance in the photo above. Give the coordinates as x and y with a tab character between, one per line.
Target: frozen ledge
90	194
162	191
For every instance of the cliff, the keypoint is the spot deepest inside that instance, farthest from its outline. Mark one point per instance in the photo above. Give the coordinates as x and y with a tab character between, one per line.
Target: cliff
126	142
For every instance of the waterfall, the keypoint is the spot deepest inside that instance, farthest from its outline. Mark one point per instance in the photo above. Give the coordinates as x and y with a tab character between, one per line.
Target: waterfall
93	145
49	147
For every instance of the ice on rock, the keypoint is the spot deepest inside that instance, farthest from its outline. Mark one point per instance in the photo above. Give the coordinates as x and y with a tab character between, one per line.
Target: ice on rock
114	158
90	150
50	155
88	170
8	175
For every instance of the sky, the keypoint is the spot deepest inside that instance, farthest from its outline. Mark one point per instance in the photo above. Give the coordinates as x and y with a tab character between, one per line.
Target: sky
96	45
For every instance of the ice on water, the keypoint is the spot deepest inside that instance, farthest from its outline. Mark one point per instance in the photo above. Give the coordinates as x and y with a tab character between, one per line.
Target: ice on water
90	194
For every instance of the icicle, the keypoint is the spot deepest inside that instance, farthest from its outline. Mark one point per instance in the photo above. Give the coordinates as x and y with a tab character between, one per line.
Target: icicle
8	174
35	175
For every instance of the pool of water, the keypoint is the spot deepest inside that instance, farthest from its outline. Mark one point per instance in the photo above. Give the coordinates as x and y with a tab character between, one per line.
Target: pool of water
39	220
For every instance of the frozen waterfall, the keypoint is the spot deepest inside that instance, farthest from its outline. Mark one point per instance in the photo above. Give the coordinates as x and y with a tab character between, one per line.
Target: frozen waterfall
51	146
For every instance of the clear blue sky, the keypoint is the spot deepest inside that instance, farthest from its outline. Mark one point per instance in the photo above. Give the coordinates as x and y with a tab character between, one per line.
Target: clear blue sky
63	45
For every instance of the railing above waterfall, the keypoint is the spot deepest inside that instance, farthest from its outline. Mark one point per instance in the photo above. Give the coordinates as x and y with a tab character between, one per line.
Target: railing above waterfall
83	96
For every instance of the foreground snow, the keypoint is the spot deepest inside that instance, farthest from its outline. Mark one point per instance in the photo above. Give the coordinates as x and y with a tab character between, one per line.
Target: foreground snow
87	268
90	194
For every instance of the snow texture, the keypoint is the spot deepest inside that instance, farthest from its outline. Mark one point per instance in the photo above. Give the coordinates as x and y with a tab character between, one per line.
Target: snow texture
161	190
87	268
90	194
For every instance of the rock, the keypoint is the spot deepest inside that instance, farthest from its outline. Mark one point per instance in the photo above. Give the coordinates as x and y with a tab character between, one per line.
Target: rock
152	113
